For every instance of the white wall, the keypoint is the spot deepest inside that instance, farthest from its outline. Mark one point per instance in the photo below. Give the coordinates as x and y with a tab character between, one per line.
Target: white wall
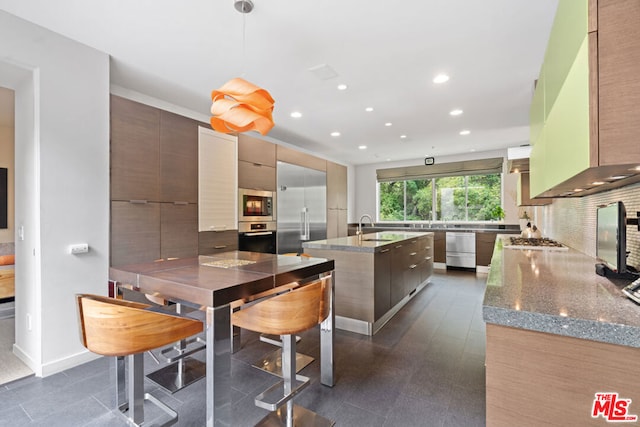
61	184
365	184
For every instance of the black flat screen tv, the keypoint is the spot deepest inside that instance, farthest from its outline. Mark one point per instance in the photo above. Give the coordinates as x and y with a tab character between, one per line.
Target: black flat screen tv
3	198
611	237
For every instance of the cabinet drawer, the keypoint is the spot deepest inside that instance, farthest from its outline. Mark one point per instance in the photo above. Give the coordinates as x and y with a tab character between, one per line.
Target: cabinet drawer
210	242
256	176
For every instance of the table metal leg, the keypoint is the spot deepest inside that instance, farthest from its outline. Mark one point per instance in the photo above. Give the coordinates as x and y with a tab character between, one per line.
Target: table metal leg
327	374
218	381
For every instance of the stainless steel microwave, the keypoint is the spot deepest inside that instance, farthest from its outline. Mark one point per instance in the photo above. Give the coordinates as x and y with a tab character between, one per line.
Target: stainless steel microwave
256	205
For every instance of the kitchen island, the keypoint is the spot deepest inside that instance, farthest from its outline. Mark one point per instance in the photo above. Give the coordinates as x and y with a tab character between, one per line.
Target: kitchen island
375	275
557	334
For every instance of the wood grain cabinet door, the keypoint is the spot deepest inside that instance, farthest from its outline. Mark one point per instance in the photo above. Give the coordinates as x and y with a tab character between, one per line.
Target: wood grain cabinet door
135	232
212	242
382	282
484	247
135	149
256	176
178	158
254	150
178	230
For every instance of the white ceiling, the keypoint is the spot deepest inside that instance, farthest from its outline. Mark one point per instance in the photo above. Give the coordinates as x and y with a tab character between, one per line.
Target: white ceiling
386	52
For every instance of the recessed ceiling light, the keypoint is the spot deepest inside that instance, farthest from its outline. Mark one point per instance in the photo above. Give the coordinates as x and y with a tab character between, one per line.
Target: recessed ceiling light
403	136
362	147
455	112
388	124
368	109
296	114
465	132
441	78
472	150
342	86
335	133
388	160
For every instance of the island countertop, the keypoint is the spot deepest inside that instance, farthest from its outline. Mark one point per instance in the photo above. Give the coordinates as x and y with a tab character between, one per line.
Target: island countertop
372	242
558	292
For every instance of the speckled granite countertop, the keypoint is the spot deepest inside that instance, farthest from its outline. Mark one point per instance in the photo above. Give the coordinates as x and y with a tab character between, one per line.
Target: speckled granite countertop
372	242
558	292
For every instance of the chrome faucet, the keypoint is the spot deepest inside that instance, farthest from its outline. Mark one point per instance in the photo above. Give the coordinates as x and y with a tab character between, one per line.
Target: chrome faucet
359	232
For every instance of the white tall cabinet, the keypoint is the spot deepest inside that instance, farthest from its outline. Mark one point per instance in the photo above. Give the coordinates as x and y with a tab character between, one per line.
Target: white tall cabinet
217	181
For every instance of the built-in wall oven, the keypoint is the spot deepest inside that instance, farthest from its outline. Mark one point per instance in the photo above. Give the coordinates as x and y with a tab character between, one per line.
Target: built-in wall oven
257	237
256	221
256	206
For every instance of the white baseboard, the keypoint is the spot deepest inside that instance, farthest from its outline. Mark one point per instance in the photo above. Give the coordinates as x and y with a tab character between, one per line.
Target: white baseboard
56	366
439	266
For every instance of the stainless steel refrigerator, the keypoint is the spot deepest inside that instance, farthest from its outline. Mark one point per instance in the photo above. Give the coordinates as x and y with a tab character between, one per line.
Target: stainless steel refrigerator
302	206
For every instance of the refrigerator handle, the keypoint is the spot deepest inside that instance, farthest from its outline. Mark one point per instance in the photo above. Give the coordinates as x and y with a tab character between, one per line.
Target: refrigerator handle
304	219
307	231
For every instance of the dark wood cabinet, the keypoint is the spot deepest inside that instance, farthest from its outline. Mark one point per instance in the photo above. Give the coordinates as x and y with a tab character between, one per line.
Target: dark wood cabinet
178	230
256	163
178	158
135	155
135	232
382	283
399	267
256	176
485	242
211	242
154	183
440	246
254	150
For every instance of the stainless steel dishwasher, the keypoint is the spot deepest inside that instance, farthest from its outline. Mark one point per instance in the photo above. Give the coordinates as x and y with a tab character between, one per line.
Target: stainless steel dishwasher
461	249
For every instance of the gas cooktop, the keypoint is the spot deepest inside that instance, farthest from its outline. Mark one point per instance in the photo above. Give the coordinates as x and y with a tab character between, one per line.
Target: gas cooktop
543	243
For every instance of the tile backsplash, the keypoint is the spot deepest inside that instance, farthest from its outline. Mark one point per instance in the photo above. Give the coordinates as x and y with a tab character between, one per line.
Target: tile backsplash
573	220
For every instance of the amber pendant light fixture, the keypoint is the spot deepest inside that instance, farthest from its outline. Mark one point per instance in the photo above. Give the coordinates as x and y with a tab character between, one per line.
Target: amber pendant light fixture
241	106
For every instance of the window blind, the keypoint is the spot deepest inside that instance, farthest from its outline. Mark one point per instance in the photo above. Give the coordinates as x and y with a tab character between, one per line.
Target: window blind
467	167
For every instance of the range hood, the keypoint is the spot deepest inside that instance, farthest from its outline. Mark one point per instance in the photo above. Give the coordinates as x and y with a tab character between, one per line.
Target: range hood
518	158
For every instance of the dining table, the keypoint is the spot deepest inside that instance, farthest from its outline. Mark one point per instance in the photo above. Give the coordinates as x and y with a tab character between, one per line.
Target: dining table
210	283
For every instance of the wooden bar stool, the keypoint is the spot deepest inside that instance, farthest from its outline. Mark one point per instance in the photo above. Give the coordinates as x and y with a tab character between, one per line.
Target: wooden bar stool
114	327
286	315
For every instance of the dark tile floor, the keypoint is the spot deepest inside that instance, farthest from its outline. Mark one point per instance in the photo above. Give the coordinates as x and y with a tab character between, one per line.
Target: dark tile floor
424	368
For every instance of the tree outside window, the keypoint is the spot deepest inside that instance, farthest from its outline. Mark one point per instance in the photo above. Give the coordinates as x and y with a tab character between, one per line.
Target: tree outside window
456	198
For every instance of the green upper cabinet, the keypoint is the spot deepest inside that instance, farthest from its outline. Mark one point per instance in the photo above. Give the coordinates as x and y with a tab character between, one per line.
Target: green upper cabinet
566	135
567	35
537	112
583	132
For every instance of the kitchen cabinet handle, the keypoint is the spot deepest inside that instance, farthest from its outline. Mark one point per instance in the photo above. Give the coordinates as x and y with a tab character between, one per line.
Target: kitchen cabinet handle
384	250
217	227
304	224
219	246
427	258
399	246
138	202
181	203
412	266
413	253
260	233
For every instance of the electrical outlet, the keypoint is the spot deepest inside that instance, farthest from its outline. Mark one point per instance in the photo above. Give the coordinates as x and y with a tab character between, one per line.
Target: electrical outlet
80	248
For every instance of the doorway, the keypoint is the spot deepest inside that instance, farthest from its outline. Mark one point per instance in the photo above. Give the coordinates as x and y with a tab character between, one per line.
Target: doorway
11	367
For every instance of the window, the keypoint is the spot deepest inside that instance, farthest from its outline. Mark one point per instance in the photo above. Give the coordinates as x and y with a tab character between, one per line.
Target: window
449	198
